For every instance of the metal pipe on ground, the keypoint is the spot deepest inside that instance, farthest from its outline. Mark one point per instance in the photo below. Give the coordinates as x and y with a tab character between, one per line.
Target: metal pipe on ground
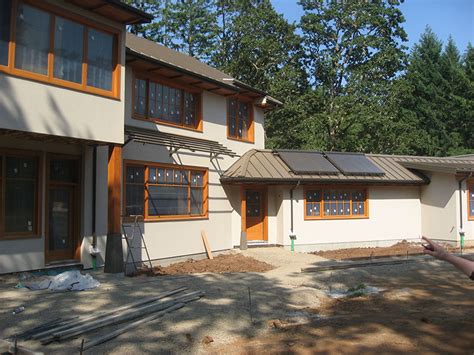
133	325
67	325
114	319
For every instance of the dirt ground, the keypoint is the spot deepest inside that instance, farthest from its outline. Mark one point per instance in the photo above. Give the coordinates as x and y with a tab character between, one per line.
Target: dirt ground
398	249
220	264
423	307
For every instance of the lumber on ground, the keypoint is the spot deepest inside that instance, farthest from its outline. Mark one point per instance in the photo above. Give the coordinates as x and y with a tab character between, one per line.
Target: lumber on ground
91	318
133	325
118	318
206	244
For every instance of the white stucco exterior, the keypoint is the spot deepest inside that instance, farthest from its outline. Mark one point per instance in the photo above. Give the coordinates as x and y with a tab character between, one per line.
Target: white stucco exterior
31	106
169	239
394	214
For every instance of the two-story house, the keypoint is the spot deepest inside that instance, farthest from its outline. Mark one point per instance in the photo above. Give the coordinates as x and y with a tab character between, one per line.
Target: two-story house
62	93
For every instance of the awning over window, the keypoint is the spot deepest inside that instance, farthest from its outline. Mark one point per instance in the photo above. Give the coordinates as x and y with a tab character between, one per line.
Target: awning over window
176	142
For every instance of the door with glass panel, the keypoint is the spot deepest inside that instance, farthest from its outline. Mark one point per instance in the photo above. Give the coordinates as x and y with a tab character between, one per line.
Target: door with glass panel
255	206
62	209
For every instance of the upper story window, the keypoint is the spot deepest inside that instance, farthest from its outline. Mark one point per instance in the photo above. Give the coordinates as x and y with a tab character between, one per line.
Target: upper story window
62	50
240	120
158	102
325	203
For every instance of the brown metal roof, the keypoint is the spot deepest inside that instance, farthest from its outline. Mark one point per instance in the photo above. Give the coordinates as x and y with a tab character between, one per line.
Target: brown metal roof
115	10
266	166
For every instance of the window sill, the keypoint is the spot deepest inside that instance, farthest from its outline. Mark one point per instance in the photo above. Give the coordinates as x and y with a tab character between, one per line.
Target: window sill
306	218
175	218
165	123
249	141
22	74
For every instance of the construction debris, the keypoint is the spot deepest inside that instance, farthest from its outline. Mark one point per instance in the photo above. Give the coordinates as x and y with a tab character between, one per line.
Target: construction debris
71	280
140	312
7	348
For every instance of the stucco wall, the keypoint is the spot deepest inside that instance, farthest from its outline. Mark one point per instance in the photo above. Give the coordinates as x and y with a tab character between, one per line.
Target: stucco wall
27	105
167	239
394	214
439	207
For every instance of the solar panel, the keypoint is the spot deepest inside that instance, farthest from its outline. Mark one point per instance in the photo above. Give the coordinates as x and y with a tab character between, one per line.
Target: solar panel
354	164
307	162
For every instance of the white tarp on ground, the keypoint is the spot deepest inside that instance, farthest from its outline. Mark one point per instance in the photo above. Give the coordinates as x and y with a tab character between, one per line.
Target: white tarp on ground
71	280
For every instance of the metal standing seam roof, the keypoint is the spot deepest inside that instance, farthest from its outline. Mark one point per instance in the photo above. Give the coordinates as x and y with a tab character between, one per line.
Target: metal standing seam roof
174	59
175	141
266	166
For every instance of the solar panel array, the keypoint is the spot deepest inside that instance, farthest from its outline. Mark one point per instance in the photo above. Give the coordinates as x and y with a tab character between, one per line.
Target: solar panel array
307	162
330	163
354	164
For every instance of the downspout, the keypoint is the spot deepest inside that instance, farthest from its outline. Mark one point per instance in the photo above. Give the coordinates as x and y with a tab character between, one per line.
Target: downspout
292	234
461	225
94	203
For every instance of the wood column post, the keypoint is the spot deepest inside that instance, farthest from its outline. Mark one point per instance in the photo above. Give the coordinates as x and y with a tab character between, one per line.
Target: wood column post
114	251
243	218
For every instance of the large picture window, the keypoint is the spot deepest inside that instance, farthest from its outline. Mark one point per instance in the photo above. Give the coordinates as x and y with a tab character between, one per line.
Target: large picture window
240	120
165	191
333	203
158	102
48	47
470	200
19	194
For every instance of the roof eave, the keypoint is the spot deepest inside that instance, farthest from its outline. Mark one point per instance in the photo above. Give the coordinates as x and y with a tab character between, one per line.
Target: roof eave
168	65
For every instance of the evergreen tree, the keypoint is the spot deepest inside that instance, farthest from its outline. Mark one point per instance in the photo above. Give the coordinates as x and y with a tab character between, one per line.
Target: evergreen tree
467	127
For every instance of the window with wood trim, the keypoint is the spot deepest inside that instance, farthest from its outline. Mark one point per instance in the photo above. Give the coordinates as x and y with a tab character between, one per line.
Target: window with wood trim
162	103
334	203
239	120
62	49
160	192
19	190
470	200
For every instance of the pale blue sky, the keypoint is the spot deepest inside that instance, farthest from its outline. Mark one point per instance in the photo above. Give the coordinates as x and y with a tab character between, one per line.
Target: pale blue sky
445	17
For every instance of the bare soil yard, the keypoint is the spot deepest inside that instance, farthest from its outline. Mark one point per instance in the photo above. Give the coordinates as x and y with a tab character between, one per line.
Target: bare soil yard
422	307
220	264
398	249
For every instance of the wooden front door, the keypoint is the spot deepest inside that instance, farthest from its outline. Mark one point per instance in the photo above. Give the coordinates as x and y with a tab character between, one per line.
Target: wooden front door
62	209
255	213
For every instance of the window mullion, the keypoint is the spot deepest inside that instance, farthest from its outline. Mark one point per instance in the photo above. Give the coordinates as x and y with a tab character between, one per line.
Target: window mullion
52	26
147	98
85	49
189	192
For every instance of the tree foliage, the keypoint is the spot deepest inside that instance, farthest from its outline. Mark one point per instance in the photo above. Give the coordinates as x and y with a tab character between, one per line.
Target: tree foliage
343	73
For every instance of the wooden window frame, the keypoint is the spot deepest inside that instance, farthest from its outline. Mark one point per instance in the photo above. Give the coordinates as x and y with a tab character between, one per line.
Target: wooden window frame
251	129
469	189
157	79
322	188
49	78
36	232
146	165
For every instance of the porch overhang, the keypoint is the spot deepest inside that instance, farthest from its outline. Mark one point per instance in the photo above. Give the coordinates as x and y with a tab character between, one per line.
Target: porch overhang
48	138
115	10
